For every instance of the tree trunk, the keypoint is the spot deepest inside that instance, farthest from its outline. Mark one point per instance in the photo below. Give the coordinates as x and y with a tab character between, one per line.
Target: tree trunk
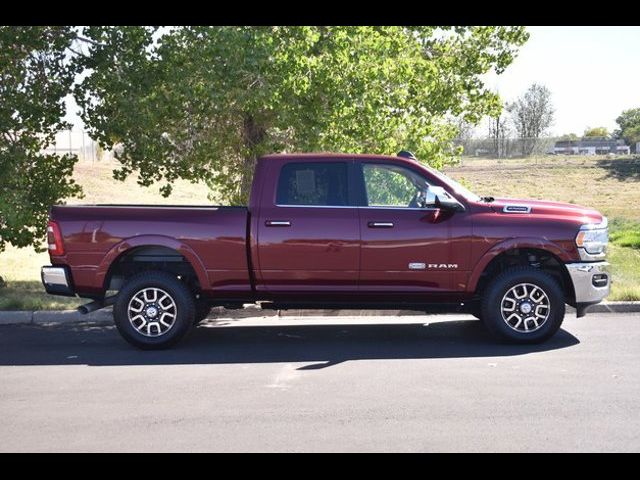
253	135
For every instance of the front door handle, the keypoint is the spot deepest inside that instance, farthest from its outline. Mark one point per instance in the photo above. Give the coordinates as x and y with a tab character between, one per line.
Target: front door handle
277	223
380	224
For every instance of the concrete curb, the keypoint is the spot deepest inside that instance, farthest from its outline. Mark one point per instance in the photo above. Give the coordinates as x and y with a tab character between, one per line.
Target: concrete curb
614	307
69	316
9	318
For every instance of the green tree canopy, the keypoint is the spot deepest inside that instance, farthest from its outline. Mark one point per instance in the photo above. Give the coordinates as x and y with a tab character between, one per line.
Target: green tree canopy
629	122
596	132
35	77
572	137
202	103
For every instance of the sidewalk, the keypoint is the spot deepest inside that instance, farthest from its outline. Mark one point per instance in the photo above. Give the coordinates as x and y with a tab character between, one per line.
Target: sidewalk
104	315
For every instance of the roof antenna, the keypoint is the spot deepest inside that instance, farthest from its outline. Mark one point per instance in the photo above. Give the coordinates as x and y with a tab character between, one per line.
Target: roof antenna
407	154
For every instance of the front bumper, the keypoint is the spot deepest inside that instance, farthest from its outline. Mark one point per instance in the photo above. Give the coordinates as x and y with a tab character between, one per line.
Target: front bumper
591	281
57	281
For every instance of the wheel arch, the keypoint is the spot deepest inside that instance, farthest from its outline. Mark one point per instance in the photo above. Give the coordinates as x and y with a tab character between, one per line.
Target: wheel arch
156	246
547	256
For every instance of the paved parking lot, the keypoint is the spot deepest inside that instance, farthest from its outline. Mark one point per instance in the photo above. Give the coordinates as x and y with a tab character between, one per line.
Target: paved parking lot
416	383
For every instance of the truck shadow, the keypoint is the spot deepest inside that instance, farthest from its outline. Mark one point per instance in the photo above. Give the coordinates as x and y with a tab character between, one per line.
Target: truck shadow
99	344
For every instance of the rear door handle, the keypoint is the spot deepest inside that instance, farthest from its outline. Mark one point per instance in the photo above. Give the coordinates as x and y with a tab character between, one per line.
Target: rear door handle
380	224
277	223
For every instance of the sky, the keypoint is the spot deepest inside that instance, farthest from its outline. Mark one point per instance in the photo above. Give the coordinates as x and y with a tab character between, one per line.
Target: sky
593	74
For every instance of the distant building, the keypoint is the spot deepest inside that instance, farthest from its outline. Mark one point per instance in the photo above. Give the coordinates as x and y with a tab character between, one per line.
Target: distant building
591	146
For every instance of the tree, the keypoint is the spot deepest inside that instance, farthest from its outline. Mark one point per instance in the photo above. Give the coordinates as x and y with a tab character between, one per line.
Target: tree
499	131
596	132
35	78
532	115
202	103
568	137
629	122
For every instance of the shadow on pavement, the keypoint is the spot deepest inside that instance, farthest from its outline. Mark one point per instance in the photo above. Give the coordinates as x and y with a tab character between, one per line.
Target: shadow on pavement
99	344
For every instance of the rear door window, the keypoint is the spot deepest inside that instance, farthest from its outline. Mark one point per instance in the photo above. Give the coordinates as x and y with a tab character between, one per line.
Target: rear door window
313	184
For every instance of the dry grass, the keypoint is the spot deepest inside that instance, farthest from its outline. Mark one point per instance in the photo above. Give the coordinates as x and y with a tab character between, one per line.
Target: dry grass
609	185
100	187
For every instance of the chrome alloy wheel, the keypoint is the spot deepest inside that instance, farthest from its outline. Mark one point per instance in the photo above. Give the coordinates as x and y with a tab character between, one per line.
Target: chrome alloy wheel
152	312
525	307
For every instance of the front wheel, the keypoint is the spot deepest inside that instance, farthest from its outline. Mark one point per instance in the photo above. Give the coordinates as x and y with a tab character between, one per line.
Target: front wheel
523	305
154	310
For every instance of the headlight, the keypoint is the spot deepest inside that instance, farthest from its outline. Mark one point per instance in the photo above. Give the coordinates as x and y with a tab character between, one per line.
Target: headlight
592	240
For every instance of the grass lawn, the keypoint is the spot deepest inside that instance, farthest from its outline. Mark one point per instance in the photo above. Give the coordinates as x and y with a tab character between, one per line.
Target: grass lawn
609	185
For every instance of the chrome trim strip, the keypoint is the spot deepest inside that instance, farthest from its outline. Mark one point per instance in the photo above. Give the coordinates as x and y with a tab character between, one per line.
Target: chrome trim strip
596	226
588	257
277	223
315	206
514	208
426	209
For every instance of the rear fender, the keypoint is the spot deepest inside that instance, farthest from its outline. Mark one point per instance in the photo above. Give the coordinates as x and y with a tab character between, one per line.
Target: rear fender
151	240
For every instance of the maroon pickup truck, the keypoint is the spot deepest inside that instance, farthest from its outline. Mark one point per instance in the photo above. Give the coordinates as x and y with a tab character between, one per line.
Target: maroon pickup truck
333	231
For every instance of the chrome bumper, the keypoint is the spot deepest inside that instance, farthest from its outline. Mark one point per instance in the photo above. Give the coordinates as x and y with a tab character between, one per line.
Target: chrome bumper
57	281
591	281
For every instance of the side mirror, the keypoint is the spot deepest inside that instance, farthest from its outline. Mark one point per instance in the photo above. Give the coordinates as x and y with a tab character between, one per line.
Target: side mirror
438	197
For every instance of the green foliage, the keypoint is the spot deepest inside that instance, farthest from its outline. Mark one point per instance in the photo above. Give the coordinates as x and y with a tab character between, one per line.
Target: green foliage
625	233
568	137
202	103
35	78
388	187
629	122
596	132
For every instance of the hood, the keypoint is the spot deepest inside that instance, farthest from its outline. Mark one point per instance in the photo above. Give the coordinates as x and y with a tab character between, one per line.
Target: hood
517	206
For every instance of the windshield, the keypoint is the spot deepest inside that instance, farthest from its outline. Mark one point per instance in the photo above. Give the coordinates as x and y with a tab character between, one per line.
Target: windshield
458	188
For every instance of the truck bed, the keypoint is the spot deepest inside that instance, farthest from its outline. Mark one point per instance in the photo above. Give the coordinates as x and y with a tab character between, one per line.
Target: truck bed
212	238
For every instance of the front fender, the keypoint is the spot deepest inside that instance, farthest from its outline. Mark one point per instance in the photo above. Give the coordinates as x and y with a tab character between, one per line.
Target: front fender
151	240
511	244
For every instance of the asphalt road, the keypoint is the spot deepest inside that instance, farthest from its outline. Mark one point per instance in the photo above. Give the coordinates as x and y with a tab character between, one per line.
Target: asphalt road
432	383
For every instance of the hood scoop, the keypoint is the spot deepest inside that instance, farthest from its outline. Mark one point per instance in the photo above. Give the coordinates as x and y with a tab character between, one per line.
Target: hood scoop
513	208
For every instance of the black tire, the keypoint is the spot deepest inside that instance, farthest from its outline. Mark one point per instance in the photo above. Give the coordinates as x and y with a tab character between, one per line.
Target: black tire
182	309
492	299
203	308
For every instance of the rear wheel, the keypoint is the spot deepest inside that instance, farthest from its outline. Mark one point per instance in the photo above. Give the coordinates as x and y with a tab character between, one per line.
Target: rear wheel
154	310
523	305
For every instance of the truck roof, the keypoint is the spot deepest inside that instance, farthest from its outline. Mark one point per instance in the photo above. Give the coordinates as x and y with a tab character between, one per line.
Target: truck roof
322	155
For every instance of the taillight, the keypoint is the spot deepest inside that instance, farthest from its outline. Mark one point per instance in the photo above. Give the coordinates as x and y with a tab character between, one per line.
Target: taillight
54	239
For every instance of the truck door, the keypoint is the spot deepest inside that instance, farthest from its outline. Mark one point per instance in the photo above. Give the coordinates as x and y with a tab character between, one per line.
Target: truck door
308	233
405	248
